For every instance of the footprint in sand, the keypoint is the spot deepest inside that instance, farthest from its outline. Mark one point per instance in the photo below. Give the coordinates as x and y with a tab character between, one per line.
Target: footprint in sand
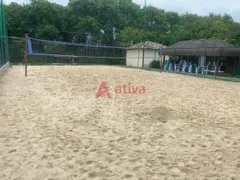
238	165
92	175
161	114
129	176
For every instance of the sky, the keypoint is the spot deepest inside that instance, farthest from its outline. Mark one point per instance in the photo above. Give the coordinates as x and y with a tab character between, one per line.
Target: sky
200	7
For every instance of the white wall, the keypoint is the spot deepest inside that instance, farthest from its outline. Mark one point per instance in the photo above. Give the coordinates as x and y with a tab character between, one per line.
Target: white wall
135	57
149	56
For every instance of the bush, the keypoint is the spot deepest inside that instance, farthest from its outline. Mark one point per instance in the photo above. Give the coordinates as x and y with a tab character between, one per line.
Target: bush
155	64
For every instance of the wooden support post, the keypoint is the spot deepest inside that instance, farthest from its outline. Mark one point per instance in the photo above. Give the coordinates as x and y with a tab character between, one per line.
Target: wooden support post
216	69
238	68
26	54
234	70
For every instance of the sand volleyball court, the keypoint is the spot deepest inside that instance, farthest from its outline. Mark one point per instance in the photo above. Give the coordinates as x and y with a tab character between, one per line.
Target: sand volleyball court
54	128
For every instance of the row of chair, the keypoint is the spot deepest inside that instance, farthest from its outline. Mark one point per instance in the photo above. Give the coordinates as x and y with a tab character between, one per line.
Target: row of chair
188	67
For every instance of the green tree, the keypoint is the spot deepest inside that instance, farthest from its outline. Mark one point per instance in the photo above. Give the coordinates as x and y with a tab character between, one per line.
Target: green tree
114	22
133	35
16	19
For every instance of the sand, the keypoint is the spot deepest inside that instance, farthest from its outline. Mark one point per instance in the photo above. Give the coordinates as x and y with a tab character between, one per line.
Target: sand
53	126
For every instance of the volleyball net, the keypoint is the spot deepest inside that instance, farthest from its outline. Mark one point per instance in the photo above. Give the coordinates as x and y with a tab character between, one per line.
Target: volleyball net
45	52
60	52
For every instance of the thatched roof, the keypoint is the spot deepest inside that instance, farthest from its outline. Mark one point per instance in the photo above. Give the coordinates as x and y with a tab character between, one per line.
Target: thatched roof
146	45
202	47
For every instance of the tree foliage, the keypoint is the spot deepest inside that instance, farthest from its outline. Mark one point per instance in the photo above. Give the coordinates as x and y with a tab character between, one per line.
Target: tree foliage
114	22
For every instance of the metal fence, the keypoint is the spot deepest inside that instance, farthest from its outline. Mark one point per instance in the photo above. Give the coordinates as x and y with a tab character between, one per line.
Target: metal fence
3	37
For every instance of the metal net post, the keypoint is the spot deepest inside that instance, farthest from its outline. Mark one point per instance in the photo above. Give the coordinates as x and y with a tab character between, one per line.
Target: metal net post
26	54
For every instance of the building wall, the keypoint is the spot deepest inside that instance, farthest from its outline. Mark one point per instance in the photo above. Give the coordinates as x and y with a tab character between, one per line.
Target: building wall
149	56
135	57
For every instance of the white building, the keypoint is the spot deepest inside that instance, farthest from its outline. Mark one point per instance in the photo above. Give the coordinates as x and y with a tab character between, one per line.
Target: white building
142	54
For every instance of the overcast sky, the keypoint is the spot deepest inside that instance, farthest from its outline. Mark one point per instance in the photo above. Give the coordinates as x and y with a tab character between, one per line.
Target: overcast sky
201	7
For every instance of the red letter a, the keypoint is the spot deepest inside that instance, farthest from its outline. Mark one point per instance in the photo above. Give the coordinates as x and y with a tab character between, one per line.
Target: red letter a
102	90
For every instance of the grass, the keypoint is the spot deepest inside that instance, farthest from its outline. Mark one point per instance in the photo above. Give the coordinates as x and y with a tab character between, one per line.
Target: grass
221	78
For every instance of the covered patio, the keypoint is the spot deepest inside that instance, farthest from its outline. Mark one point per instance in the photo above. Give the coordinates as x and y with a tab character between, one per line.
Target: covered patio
213	55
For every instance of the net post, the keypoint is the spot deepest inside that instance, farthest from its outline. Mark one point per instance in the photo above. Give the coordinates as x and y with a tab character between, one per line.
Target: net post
26	54
161	63
160	57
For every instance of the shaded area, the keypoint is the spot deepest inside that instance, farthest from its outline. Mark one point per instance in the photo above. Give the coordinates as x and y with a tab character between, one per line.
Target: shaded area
202	47
212	55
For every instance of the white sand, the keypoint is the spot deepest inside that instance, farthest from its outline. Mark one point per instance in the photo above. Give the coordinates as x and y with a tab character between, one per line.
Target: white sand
53	127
